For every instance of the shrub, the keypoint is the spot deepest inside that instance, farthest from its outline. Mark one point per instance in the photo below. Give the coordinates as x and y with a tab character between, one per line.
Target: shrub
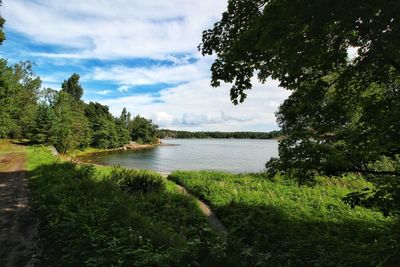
137	180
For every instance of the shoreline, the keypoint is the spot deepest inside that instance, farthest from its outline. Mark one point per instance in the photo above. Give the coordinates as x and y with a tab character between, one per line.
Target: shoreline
92	150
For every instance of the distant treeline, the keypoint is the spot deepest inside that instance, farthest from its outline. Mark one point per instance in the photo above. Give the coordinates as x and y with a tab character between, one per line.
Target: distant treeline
165	133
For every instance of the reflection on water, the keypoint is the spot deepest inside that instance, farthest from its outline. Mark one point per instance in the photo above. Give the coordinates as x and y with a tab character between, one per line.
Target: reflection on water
233	155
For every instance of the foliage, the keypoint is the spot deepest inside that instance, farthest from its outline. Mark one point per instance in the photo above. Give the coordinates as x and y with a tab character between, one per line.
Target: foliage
107	131
385	195
166	133
18	90
87	220
275	222
296	43
125	117
70	126
42	125
343	113
143	181
142	130
73	87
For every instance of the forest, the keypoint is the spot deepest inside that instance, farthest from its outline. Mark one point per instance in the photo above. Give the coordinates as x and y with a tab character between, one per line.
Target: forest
61	118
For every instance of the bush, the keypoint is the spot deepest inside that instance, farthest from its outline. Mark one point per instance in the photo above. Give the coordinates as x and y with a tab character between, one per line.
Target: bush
137	180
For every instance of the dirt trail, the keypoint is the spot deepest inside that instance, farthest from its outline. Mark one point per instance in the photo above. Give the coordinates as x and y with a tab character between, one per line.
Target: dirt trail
212	219
18	225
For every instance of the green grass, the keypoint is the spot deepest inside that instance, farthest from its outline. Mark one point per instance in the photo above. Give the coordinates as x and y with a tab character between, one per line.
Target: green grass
278	223
88	220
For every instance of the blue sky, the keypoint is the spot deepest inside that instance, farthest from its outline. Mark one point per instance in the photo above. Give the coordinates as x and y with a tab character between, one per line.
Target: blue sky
141	55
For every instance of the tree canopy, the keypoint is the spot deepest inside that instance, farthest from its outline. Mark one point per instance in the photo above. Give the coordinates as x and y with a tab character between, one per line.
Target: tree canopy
341	61
142	130
73	87
296	42
18	95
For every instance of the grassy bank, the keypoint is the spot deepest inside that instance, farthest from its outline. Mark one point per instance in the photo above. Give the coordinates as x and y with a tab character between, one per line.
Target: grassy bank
102	216
89	218
278	223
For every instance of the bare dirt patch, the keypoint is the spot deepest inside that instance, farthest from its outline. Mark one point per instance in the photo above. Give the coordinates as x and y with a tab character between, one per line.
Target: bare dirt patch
18	225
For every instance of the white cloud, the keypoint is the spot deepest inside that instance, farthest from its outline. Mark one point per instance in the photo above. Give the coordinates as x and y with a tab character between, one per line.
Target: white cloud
112	29
128	77
104	92
123	88
198	106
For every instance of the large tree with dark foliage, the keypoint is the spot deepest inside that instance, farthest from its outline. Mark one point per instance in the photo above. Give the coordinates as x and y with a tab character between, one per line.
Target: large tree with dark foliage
343	114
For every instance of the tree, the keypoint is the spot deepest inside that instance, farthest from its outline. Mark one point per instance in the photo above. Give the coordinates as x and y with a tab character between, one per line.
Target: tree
48	96
143	130
107	131
296	42
42	126
73	87
343	113
70	128
125	117
18	98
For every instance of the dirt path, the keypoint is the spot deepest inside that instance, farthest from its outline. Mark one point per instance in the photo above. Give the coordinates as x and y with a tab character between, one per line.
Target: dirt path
18	225
212	219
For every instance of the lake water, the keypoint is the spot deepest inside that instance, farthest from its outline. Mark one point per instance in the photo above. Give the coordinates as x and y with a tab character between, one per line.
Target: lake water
232	155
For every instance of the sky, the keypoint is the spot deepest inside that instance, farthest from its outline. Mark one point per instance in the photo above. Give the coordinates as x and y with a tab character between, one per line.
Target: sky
137	54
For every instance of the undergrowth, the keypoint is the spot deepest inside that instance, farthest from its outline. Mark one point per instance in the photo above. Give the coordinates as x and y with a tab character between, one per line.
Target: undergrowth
105	216
89	220
275	222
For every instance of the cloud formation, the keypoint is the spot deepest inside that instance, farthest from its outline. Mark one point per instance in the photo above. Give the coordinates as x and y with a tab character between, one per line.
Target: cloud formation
136	54
118	28
197	106
173	74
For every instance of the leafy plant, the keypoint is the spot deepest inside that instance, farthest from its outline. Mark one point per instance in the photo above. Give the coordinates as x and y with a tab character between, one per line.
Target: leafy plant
142	181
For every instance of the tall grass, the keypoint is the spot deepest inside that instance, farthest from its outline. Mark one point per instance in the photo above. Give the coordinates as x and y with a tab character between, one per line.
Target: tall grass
278	223
89	220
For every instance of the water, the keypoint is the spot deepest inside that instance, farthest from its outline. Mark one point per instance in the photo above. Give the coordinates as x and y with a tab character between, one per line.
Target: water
232	155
